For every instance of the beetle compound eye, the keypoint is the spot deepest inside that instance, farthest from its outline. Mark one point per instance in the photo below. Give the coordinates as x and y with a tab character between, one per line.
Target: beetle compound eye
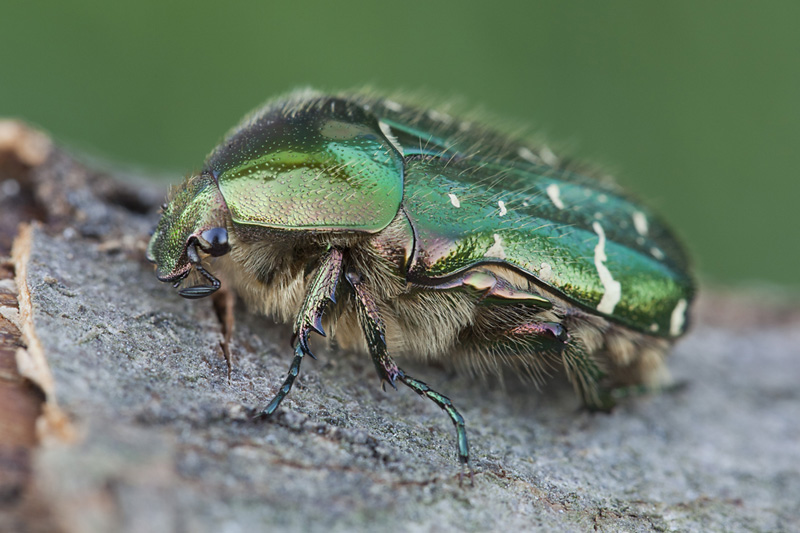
214	242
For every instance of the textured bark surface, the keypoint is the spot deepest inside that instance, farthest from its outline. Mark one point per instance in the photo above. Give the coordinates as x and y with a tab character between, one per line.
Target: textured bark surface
141	429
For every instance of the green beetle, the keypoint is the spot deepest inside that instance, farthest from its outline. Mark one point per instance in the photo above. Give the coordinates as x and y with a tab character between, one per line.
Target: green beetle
453	241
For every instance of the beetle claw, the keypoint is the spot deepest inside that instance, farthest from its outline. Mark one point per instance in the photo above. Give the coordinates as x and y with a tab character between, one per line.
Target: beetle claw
384	381
303	344
317	325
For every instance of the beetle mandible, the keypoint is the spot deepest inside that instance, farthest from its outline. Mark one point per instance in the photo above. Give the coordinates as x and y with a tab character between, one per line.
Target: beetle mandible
408	232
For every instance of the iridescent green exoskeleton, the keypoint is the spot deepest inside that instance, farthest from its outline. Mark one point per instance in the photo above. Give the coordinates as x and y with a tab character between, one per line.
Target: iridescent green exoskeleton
411	233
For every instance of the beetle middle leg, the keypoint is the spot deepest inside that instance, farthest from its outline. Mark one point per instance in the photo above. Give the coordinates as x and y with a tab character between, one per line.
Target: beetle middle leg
374	329
321	291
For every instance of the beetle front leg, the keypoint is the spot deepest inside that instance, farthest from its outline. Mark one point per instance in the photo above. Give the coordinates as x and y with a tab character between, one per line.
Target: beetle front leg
374	330
321	291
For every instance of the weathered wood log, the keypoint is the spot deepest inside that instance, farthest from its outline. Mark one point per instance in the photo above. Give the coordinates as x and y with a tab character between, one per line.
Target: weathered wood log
117	413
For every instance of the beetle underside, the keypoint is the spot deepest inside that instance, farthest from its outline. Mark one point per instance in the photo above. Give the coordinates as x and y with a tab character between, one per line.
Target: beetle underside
384	315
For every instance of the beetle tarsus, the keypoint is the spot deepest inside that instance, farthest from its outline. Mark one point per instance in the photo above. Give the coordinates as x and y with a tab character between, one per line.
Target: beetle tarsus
444	402
294	370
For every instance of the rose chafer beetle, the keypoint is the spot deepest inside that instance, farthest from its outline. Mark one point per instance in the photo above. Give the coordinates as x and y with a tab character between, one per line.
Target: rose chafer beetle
405	232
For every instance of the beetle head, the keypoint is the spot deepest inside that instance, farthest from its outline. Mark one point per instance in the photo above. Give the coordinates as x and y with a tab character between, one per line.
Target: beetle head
194	219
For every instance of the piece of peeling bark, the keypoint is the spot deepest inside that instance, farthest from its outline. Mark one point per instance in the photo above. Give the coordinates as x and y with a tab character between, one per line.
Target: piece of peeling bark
21	400
31	359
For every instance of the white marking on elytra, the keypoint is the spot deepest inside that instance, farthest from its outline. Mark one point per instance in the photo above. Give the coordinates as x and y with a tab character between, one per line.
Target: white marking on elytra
454	200
527	155
598	215
548	156
555	195
391	105
387	132
497	248
464	126
678	318
439	116
653	327
640	241
640	223
545	272
602	198
502	205
613	288
657	253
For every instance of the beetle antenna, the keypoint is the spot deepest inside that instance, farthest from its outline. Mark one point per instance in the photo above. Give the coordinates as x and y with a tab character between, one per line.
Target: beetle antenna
199	291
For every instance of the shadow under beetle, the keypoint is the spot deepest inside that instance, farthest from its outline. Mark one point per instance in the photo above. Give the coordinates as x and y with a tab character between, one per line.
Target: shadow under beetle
407	232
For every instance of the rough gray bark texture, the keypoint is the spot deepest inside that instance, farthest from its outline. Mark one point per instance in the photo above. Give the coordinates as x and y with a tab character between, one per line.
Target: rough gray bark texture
162	440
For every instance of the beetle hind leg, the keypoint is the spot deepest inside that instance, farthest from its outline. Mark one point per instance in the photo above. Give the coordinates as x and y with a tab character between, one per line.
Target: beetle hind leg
586	375
536	343
519	325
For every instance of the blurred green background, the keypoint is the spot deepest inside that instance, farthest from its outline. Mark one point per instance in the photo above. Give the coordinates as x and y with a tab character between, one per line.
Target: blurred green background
694	104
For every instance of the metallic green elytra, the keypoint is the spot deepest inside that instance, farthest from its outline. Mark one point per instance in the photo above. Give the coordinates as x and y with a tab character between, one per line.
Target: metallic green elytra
454	242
